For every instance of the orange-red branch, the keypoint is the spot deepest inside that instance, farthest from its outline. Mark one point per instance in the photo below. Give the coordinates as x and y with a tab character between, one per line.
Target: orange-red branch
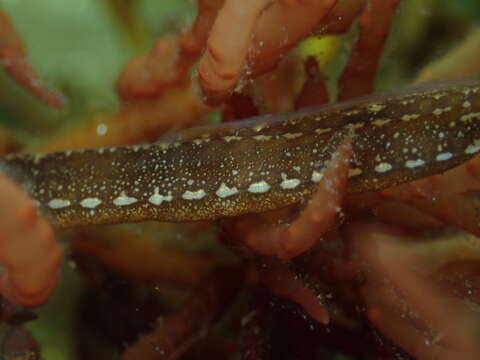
287	284
224	60
282	26
316	219
269	29
167	64
179	331
28	249
14	60
359	75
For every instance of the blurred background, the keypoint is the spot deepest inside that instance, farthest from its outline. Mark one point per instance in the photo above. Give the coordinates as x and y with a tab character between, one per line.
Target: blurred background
79	47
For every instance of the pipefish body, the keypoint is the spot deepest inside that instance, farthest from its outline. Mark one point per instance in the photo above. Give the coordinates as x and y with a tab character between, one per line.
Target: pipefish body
258	164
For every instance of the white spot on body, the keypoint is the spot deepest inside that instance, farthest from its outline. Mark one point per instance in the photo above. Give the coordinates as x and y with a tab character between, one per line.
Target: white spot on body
352	112
440	111
408	117
224	191
59	203
259	127
414	163
323	131
90	203
200	141
288	184
124	200
354	172
440	95
291	136
231	138
444	156
262	137
375	107
407	102
355	126
194	195
381	122
474	148
157	199
471	116
259	187
383	167
316	176
38	157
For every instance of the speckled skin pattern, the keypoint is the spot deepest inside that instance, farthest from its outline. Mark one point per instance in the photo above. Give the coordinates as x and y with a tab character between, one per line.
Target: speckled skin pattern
257	164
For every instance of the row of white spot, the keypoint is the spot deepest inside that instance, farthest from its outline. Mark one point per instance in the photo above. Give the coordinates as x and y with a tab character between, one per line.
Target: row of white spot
223	191
412	164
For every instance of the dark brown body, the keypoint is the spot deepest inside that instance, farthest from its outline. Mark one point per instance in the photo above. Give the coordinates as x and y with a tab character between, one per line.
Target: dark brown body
257	164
